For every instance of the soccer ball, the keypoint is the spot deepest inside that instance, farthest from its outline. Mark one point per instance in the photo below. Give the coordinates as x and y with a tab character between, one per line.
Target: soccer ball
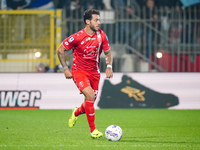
113	133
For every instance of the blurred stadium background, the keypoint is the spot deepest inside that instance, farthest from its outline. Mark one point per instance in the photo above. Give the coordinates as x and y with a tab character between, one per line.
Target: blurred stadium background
145	35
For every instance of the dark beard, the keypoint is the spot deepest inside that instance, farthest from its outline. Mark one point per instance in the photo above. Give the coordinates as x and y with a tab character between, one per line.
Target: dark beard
93	29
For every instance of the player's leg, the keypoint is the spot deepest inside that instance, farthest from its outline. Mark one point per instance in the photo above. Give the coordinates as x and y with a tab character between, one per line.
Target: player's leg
90	111
80	110
88	85
80	79
89	106
94	82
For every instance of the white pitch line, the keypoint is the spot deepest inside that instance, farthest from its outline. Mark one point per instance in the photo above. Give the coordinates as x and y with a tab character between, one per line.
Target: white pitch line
135	145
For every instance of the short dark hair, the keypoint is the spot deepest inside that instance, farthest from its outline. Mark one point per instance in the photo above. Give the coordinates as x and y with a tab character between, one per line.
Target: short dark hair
88	14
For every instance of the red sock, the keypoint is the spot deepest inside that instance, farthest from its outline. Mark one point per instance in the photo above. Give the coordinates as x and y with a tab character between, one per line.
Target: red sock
80	110
90	113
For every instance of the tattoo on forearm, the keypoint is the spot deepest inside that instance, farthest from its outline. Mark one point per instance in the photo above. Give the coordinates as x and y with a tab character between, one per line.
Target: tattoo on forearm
61	57
108	57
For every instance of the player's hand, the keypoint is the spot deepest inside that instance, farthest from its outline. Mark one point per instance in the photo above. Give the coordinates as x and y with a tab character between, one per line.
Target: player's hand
109	72
68	74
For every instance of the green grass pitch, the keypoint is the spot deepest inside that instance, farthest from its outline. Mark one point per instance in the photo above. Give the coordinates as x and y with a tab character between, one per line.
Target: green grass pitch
148	129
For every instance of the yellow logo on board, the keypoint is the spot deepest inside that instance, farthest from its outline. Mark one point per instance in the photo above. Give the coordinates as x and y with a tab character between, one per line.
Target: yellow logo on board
133	92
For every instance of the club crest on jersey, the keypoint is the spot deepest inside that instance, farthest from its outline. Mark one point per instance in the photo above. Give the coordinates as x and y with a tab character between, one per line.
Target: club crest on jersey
71	39
66	43
90	39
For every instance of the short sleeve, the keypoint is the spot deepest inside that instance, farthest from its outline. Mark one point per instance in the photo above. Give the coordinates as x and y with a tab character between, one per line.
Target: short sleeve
69	42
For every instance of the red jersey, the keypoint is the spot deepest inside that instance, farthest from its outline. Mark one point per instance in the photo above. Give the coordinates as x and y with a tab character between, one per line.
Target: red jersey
87	49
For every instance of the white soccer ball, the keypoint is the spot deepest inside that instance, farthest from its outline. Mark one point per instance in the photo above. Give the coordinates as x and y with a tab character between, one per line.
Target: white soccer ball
113	133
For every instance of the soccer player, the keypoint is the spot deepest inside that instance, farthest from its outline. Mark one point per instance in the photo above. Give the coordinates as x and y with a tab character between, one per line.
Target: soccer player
87	45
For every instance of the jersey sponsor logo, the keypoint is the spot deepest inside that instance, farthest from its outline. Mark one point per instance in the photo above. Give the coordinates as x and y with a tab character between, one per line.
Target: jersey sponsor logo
91	54
19	98
90	39
90	46
71	39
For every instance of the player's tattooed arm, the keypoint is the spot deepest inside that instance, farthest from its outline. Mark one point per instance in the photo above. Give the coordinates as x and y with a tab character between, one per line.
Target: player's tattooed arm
109	72
108	57
61	56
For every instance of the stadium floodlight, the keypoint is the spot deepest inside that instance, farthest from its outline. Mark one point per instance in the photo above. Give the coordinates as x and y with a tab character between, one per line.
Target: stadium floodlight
37	54
159	55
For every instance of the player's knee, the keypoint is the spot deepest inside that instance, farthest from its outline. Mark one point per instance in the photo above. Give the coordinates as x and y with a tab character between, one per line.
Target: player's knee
90	96
89	93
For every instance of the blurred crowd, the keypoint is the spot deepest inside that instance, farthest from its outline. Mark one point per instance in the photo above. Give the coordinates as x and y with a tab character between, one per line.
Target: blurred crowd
85	4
